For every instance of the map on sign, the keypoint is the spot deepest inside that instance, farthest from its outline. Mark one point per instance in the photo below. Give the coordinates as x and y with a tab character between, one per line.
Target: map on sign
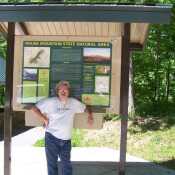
86	65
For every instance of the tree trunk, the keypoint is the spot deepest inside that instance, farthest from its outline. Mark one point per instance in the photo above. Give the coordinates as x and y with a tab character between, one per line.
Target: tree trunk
157	61
131	109
168	80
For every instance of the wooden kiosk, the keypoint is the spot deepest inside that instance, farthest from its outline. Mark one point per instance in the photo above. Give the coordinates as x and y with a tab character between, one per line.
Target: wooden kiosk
100	37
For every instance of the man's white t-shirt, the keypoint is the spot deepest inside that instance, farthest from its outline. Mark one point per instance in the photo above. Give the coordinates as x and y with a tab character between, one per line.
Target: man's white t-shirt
60	115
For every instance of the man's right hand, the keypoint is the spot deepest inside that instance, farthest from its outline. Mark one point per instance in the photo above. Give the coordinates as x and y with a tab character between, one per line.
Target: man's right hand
46	122
41	116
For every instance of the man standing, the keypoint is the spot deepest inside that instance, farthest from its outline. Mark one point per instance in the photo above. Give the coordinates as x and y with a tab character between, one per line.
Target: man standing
57	113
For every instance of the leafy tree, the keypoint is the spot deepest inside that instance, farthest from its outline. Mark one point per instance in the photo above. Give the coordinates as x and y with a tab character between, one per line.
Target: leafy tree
3	47
154	72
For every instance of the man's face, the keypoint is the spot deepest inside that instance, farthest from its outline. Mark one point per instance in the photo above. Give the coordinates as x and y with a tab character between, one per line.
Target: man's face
63	91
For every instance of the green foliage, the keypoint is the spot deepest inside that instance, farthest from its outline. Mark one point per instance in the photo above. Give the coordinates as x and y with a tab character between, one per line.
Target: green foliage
154	145
111	116
77	137
3	47
154	72
40	143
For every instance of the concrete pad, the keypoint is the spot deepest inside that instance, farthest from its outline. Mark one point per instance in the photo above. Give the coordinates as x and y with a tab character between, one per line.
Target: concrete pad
100	154
98	161
26	160
29	137
30	160
111	168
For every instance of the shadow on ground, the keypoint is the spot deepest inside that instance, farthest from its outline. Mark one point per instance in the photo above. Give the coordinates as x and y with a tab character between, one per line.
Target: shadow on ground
18	123
168	163
111	168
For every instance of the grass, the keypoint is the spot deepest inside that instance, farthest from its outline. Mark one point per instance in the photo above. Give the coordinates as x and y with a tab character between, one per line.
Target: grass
156	144
77	138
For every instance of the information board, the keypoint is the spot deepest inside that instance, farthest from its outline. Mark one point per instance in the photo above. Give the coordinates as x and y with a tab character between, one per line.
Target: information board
86	65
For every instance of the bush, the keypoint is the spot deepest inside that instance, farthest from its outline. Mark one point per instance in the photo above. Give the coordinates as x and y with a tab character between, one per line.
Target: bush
111	116
77	137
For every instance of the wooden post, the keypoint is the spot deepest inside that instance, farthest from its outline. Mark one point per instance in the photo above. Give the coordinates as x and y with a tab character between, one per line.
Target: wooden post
8	98
124	88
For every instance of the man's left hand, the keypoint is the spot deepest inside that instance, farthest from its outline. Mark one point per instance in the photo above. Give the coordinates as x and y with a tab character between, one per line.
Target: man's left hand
90	119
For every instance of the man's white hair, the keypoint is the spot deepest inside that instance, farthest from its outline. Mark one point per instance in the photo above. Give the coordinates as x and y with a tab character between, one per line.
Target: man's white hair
62	83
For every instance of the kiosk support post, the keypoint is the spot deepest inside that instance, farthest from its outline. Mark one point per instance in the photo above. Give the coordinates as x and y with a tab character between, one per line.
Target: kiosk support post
124	87
8	98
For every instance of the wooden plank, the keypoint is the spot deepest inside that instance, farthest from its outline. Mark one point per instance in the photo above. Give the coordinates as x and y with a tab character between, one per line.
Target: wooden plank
145	31
71	28
64	27
23	27
78	28
52	29
119	29
8	98
105	29
115	78
136	33
3	27
91	26
34	28
59	30
44	28
136	47
139	32
80	120
98	29
112	29
75	29
124	88
84	29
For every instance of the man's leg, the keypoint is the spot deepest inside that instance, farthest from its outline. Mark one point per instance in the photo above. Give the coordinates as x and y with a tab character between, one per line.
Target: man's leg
65	150
52	150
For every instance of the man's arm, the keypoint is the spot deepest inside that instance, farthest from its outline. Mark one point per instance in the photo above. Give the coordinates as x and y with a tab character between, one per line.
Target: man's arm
90	115
41	116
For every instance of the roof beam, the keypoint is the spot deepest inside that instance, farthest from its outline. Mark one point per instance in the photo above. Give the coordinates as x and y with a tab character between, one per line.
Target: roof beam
93	13
3	30
136	47
20	29
3	27
23	28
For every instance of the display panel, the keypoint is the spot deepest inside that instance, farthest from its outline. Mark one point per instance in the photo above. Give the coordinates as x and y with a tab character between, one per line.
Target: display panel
86	65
